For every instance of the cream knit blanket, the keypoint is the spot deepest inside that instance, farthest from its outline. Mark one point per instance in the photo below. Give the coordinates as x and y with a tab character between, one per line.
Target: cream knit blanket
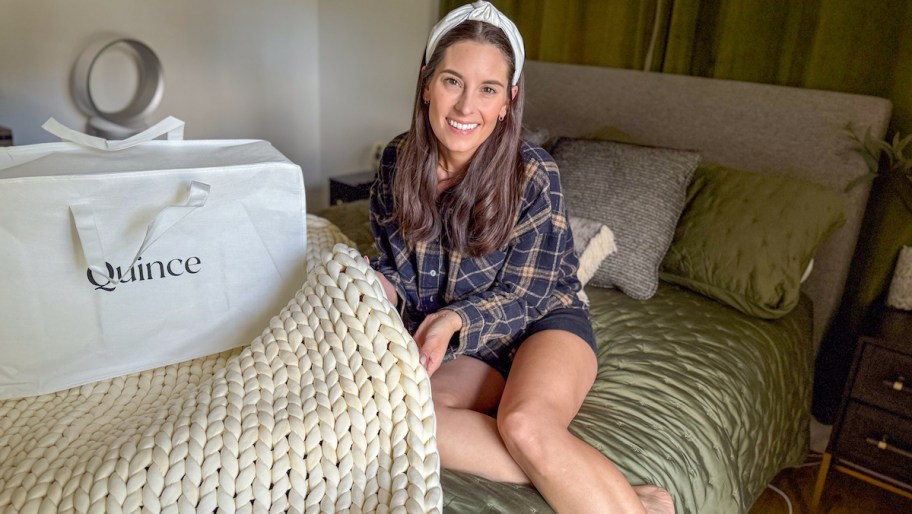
327	411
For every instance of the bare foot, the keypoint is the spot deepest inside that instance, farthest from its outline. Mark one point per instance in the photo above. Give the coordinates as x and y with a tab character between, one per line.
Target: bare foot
655	499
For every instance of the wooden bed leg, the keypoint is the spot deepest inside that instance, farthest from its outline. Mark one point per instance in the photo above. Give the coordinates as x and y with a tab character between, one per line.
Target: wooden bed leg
821	480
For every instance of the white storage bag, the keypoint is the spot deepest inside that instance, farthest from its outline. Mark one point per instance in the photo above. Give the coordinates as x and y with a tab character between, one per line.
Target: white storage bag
122	256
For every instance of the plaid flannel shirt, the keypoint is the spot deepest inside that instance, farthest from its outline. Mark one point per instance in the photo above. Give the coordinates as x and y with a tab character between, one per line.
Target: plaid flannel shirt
496	295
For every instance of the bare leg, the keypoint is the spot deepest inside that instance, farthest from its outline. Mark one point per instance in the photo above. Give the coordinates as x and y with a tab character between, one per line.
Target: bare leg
466	391
551	375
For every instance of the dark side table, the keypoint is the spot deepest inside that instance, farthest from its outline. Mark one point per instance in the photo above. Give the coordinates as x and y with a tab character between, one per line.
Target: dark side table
872	435
351	187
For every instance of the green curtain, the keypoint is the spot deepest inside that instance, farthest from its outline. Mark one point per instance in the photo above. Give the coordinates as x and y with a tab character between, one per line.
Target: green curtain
599	33
852	46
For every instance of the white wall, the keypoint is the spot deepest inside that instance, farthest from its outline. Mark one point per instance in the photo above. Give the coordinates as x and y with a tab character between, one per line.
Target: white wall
370	53
320	79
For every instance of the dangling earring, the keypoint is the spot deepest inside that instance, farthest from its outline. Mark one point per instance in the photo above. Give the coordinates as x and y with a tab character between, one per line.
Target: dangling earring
427	102
500	118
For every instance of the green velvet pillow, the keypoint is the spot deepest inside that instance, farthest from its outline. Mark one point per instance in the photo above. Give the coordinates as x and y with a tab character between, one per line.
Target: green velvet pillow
745	239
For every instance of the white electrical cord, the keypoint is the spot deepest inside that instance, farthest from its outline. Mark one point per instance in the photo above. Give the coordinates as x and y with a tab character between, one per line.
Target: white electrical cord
781	493
787	500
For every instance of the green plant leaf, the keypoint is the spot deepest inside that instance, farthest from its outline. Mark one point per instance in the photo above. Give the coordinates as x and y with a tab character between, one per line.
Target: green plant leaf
899	145
898	161
867	177
870	149
869	159
868	138
881	146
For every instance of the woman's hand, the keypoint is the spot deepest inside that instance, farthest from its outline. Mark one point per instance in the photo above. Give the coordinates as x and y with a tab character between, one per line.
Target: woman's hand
433	336
388	288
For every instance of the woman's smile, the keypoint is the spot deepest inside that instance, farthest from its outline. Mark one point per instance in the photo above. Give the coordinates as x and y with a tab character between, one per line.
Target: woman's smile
462	127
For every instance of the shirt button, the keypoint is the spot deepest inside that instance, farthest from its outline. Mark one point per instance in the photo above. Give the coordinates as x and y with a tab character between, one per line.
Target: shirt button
433	273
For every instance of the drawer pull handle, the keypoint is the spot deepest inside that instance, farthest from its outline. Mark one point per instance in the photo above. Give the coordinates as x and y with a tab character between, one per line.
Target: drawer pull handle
897	385
884	445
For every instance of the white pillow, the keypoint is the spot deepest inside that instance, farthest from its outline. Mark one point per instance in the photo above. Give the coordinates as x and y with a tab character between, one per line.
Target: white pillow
592	243
807	271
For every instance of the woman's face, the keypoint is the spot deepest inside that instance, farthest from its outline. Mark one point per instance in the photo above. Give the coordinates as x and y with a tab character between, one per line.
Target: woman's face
467	93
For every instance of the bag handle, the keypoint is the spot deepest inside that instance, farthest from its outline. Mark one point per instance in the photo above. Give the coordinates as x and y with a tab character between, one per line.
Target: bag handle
171	126
90	240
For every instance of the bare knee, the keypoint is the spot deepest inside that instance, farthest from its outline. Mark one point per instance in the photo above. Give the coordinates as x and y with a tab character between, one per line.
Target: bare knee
527	433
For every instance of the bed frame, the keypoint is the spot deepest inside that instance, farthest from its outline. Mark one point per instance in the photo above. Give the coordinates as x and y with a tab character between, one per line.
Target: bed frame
756	127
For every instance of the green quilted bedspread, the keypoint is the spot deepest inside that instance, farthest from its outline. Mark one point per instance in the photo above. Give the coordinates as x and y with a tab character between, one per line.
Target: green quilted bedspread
691	395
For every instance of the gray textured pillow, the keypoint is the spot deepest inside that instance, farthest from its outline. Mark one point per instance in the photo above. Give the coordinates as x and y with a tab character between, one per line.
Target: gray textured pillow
639	192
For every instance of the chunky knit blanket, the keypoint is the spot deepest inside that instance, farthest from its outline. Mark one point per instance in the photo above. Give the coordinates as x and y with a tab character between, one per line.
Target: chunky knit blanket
327	411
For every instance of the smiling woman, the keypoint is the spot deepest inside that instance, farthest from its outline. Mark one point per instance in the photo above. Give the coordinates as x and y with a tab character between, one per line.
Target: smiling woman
474	241
467	105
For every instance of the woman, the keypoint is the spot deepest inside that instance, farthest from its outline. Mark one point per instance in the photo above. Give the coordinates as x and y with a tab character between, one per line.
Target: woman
474	242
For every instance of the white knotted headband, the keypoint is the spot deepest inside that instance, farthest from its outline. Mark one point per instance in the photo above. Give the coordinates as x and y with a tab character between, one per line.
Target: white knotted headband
480	11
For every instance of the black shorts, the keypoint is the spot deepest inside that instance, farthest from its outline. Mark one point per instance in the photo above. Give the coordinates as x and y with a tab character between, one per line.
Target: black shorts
575	321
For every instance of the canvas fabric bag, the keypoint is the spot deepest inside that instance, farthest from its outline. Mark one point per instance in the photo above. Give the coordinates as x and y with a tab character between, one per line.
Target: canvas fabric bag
122	256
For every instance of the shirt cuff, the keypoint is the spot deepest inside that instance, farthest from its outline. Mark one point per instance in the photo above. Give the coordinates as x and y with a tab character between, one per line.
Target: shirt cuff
472	320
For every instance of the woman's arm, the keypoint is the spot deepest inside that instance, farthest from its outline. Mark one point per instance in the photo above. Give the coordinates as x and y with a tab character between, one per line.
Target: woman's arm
382	263
381	211
538	256
526	281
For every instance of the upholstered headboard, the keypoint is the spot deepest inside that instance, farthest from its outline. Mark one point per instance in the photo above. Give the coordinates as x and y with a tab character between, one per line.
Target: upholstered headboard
757	127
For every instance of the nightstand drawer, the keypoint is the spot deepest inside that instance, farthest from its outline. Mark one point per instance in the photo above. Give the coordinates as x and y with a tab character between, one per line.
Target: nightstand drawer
877	439
884	380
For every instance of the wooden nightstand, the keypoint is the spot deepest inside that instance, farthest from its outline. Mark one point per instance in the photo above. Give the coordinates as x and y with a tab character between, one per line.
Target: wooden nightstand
348	188
872	436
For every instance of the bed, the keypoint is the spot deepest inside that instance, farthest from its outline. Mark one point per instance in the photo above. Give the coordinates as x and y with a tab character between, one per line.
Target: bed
698	391
704	376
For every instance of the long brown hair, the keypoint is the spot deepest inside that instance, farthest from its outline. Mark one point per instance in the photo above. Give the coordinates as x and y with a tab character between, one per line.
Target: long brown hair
477	215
